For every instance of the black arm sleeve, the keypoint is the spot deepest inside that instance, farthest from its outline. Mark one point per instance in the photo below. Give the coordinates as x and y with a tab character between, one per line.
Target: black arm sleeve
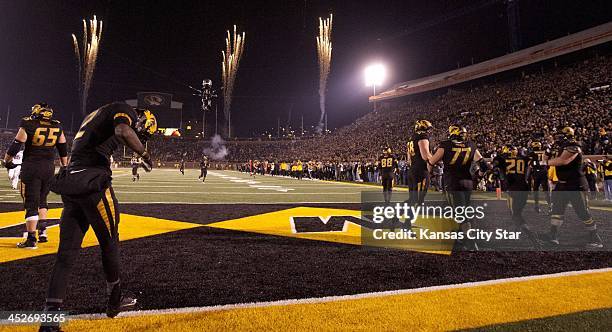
62	149
14	148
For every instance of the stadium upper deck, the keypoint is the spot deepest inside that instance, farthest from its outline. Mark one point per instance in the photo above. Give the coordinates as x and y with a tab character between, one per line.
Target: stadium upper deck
571	43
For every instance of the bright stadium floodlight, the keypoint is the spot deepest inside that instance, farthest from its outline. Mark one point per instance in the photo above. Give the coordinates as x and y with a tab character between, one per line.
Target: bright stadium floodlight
375	75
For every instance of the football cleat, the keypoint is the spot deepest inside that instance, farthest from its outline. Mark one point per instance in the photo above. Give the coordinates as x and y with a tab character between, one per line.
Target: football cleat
532	237
553	240
118	302
28	243
595	241
42	236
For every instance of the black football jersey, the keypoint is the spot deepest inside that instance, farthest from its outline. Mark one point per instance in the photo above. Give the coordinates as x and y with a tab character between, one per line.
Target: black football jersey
534	160
607	170
387	163
95	141
42	138
204	164
515	170
458	158
417	164
572	172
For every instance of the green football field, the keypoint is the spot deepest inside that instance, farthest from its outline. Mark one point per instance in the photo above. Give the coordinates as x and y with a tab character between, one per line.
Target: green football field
170	186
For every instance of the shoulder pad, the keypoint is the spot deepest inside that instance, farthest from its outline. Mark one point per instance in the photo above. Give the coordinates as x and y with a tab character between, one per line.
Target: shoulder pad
55	122
573	148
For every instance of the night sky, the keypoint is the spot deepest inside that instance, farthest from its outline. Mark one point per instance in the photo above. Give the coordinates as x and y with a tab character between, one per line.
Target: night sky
167	45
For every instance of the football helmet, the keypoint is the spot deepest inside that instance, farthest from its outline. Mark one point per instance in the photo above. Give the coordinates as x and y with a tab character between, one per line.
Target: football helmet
42	111
505	150
514	151
422	126
564	135
146	125
457	133
536	145
387	150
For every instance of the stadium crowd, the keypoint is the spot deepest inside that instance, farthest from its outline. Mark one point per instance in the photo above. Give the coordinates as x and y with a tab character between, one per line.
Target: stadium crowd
508	112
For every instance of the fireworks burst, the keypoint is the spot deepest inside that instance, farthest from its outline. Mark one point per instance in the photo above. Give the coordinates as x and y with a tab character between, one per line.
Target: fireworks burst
324	53
86	56
234	47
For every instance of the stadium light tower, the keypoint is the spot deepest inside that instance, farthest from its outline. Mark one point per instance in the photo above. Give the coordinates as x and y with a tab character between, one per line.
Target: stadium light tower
375	75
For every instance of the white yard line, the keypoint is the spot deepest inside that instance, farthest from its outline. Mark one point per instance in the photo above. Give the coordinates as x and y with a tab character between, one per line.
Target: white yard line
343	297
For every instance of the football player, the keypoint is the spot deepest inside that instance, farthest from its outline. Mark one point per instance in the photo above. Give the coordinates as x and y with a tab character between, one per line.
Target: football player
515	170
135	163
14	173
458	155
204	168
182	166
607	175
418	156
590	172
572	187
387	164
539	174
41	135
89	199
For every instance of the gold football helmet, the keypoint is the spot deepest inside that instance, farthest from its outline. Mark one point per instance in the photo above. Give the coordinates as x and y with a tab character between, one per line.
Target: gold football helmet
422	126
146	125
456	132
42	111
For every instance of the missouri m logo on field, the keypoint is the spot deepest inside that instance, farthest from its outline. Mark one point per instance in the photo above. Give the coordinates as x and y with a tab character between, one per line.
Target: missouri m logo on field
311	223
320	224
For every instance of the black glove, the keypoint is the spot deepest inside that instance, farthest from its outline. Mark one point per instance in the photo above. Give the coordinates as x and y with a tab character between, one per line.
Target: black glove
147	163
10	165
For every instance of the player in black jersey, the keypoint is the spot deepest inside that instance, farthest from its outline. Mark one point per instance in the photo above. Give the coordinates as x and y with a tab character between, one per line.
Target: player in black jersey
203	168
500	176
539	173
590	172
571	188
182	166
515	170
41	135
89	199
418	156
387	165
458	155
135	163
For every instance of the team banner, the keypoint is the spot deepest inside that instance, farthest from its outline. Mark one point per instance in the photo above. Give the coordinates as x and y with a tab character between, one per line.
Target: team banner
155	100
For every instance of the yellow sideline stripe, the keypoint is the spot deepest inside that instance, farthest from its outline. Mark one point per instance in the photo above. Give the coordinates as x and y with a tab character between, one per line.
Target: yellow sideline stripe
130	227
462	307
17	217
